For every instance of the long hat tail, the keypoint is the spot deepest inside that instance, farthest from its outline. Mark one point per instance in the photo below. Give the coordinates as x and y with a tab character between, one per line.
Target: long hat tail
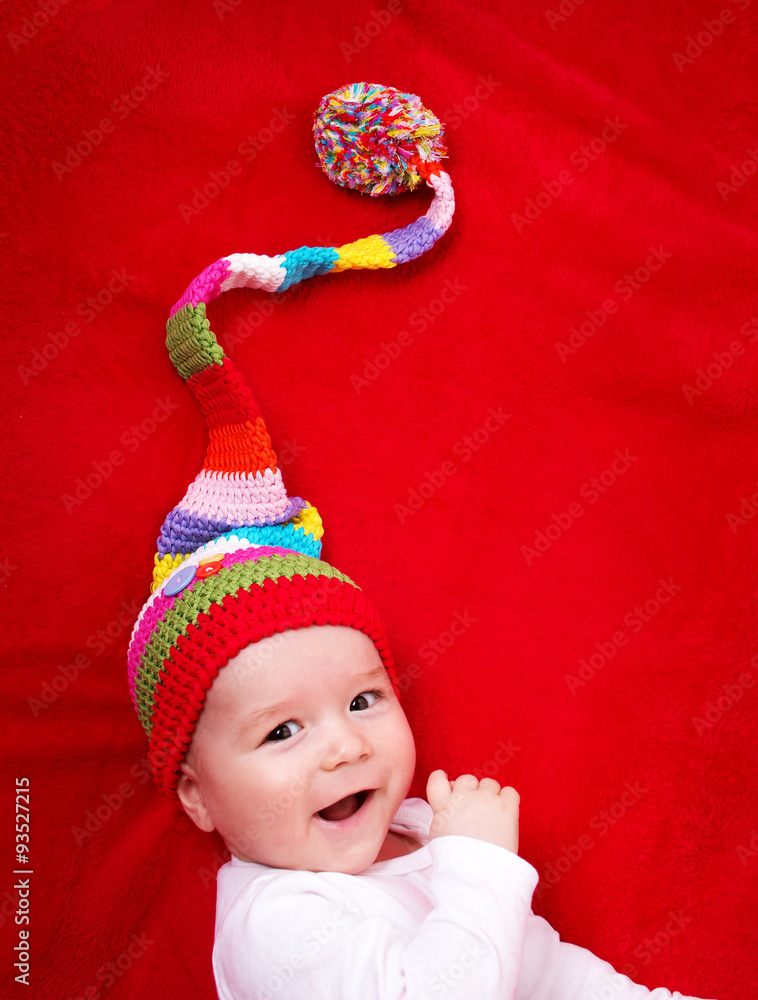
376	140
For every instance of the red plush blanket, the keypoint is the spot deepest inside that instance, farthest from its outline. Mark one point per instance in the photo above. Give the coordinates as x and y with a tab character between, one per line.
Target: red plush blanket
534	447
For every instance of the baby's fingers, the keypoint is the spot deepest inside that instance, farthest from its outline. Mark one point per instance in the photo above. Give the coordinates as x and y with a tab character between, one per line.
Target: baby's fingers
509	792
467	781
438	789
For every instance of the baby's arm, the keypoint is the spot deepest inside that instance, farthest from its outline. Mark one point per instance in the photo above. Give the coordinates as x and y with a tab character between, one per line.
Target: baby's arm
551	969
556	970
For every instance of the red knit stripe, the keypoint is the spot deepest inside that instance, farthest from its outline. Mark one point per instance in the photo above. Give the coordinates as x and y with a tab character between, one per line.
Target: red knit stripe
241	619
223	394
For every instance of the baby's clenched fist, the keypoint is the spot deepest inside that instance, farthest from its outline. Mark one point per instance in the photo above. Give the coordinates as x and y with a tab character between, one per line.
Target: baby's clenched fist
472	808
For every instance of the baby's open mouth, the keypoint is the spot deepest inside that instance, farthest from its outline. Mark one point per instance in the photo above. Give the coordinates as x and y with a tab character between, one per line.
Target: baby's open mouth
346	807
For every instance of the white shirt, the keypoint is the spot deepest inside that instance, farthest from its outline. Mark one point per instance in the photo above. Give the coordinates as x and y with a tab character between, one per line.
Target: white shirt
452	919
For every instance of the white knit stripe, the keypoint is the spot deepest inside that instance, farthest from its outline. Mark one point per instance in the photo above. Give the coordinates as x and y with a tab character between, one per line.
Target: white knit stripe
252	270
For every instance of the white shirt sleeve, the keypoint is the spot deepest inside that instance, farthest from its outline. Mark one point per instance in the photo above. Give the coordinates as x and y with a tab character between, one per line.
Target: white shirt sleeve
300	939
556	970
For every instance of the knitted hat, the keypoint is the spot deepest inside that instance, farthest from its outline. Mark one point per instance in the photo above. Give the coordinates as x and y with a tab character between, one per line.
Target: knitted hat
238	559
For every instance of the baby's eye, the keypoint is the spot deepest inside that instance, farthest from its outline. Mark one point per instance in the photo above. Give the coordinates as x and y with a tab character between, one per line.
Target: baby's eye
361	699
275	735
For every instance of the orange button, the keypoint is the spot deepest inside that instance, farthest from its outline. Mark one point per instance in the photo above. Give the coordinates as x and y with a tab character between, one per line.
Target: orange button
209	569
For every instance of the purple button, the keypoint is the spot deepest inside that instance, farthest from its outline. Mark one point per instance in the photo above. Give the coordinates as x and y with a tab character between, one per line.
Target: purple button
179	581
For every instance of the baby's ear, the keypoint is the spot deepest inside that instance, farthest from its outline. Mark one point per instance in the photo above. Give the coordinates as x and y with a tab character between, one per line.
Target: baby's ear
190	793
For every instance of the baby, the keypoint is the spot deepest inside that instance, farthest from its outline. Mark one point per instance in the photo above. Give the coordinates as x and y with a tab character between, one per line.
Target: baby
266	687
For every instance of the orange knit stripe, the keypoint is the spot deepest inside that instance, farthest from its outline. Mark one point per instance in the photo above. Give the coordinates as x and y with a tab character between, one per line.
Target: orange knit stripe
242	447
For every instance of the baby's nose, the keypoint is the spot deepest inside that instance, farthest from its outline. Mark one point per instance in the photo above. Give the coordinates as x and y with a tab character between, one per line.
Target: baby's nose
346	743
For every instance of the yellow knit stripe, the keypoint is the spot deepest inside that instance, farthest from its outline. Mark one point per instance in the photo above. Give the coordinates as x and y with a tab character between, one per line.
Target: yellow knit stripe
371	252
309	520
164	567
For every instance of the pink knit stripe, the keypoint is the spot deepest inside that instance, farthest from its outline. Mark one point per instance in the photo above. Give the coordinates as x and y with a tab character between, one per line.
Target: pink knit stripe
242	497
441	210
206	286
141	636
253	555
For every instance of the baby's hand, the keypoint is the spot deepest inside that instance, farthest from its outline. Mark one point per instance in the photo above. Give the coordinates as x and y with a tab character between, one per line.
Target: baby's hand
472	808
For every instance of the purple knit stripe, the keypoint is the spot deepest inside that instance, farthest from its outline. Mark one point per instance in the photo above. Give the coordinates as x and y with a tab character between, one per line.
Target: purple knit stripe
206	286
413	240
184	531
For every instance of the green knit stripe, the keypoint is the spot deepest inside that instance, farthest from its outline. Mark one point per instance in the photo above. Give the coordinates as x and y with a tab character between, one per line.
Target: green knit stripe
190	603
191	345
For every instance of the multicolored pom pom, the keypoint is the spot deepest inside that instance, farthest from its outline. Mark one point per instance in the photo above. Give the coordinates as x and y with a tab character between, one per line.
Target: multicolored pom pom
377	139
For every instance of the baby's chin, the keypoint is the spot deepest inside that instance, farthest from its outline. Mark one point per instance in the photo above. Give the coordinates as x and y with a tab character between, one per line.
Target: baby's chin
345	869
358	861
325	862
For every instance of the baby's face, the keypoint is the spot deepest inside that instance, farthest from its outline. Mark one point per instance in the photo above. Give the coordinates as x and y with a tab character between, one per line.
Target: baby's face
290	726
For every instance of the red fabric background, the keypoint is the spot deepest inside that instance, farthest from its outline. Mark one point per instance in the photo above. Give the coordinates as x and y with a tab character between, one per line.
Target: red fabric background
125	908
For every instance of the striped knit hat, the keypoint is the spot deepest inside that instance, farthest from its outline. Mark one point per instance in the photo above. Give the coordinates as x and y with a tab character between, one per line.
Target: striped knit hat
238	559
